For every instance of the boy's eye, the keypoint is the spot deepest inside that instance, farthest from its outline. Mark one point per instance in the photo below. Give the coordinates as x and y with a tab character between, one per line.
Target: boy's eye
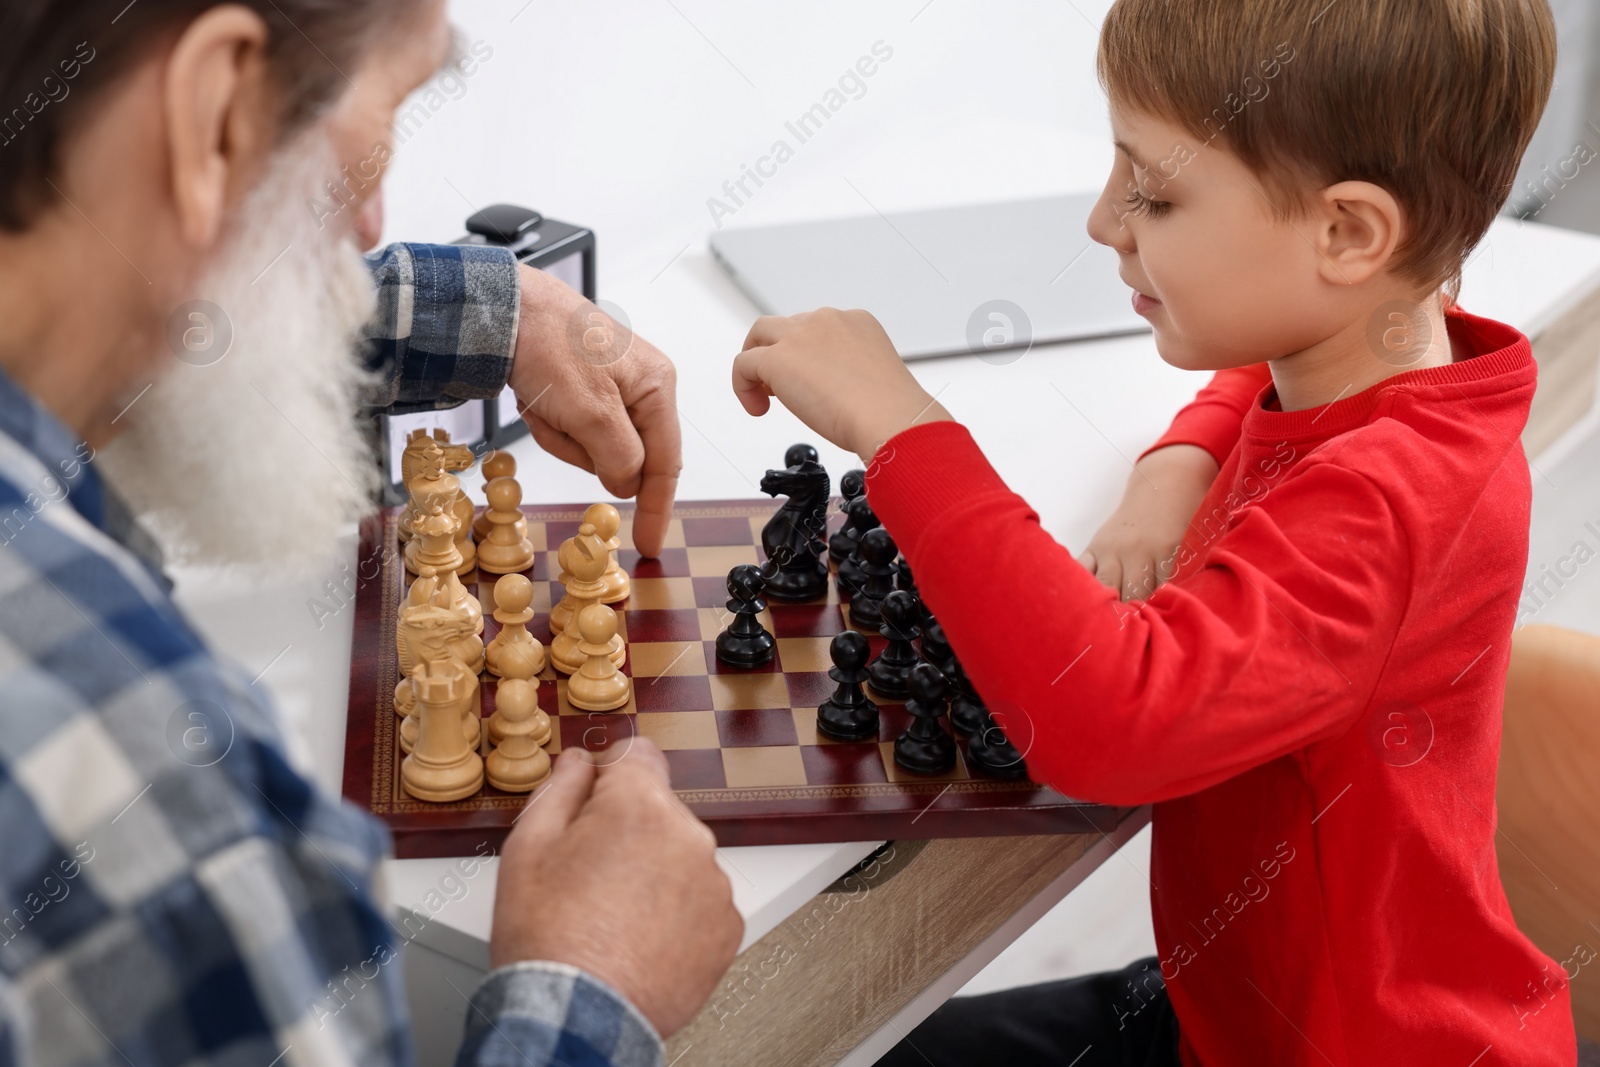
1139	204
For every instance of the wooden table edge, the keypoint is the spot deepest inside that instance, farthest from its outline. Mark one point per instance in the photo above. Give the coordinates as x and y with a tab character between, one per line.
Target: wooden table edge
879	949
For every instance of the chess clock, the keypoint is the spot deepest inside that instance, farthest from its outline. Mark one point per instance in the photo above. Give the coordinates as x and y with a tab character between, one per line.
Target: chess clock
559	248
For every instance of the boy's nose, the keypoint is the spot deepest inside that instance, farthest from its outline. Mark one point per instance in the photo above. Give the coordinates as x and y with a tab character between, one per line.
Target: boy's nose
1107	227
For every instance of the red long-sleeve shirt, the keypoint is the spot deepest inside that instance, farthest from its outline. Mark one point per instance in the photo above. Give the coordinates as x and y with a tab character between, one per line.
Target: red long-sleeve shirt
1312	704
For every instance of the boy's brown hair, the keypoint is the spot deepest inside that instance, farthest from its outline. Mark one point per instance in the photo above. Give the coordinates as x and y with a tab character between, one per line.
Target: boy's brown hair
1433	100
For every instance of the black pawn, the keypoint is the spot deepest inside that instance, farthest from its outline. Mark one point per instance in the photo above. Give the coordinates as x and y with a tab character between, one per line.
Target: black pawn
746	643
899	656
991	752
908	581
861	519
877	578
966	707
903	578
935	646
800	453
851	486
925	747
848	715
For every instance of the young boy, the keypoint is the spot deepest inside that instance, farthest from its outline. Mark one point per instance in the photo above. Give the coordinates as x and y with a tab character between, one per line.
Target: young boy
1311	700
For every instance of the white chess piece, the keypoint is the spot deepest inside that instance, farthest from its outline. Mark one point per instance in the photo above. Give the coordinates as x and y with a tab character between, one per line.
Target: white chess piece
509	697
606	521
587	561
518	763
505	551
598	685
436	487
513	595
430	630
442	765
497	464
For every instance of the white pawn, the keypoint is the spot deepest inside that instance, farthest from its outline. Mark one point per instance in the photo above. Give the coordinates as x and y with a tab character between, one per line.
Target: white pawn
497	464
513	594
606	521
598	685
442	766
509	698
517	662
505	551
517	763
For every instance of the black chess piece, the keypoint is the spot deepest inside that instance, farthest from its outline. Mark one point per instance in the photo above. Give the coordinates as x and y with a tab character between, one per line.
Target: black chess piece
989	750
925	747
967	711
842	543
893	665
801	453
793	537
849	715
908	581
746	643
935	645
877	579
861	519
903	578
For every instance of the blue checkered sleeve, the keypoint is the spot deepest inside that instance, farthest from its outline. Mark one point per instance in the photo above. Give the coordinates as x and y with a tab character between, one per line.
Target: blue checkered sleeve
445	327
549	1013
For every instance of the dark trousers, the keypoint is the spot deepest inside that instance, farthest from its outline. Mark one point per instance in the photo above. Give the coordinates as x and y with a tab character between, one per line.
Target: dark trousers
1116	1019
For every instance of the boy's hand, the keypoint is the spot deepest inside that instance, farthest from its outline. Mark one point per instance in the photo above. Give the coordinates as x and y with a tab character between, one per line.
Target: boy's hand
1133	552
838	373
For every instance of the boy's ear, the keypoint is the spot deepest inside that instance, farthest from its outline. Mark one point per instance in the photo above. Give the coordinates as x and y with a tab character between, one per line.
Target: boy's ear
1359	226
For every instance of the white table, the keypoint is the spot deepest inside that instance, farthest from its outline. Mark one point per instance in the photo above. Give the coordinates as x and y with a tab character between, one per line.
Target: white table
638	165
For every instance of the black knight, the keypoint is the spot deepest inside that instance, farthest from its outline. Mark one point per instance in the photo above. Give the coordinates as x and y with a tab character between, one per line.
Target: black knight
793	538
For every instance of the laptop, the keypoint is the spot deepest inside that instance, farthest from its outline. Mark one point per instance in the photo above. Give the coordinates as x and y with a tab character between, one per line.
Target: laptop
987	279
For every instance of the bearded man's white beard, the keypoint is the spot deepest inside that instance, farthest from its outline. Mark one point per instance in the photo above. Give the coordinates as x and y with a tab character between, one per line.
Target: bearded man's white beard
257	459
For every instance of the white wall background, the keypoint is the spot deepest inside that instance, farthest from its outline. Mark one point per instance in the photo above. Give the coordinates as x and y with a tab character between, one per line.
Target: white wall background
627	116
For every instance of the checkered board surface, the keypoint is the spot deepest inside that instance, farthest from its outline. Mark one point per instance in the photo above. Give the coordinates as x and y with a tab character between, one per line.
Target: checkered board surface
742	744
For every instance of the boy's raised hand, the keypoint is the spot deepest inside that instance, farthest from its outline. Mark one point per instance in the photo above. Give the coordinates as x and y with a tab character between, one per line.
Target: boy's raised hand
838	372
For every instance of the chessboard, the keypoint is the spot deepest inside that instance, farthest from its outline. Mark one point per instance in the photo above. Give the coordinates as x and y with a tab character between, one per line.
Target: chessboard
743	746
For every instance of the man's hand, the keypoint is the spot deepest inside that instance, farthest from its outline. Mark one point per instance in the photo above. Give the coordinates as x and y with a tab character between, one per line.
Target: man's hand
601	398
1133	552
838	372
607	871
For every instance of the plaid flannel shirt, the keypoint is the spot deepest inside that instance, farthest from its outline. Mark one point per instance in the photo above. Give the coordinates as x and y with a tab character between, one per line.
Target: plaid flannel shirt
172	891
447	315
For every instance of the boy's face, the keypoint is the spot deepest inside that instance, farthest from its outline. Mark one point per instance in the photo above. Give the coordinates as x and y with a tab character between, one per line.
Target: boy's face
1224	279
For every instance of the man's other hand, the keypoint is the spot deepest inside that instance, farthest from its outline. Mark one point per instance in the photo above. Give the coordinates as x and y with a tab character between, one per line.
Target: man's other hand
600	397
609	872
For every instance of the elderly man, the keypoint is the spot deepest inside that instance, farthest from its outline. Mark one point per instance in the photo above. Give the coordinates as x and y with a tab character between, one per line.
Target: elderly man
157	166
